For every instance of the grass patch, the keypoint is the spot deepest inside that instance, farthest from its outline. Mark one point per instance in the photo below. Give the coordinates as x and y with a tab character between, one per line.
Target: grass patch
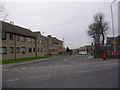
22	60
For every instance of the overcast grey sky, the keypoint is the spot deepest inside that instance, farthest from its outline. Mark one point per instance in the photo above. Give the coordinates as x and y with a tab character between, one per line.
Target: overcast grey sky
67	20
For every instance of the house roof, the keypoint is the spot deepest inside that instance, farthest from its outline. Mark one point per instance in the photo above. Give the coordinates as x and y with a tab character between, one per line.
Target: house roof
7	27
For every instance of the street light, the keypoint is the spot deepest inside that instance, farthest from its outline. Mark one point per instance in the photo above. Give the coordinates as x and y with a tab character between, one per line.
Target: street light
113	24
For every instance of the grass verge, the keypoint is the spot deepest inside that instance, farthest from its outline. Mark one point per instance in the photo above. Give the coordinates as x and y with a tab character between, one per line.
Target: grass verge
22	60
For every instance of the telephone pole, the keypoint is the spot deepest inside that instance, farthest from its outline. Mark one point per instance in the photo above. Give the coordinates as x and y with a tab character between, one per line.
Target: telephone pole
114	48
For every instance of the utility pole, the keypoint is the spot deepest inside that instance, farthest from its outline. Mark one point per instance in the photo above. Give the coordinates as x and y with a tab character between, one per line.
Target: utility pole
114	48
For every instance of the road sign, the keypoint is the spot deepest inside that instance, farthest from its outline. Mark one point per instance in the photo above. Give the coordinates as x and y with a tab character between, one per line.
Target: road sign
106	47
114	42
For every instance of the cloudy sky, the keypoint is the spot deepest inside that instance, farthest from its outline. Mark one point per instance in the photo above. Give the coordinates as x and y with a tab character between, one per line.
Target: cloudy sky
61	18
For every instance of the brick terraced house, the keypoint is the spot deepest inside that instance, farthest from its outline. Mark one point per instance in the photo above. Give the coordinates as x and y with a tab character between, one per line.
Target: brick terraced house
18	42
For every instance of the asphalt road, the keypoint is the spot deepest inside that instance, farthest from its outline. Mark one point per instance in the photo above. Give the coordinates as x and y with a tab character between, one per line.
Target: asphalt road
73	71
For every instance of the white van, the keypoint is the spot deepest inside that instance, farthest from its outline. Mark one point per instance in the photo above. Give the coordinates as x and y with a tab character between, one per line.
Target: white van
82	53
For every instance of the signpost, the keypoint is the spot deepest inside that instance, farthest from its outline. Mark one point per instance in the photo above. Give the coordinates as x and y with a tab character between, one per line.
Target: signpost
106	47
113	42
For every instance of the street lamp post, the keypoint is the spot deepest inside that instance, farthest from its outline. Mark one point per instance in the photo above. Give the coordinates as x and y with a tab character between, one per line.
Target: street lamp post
113	25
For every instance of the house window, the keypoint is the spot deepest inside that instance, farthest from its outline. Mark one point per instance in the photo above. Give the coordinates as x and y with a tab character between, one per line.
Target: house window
33	40
17	37
29	40
17	50
37	40
40	41
41	50
11	36
11	50
3	50
3	36
22	39
23	50
49	50
30	50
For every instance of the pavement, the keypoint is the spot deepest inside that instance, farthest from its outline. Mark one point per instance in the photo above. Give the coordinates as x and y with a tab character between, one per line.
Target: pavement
74	71
89	57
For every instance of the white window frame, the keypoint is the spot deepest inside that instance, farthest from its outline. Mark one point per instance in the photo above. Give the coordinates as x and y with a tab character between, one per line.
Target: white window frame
23	49
17	37
29	40
3	50
33	40
18	51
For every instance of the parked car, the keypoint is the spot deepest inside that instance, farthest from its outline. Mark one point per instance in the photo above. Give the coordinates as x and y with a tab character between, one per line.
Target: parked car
82	53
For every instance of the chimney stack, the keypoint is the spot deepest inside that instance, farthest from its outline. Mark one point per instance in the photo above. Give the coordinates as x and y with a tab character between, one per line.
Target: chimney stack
11	22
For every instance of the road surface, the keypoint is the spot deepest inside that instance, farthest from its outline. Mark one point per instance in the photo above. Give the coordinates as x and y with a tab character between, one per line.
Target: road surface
74	71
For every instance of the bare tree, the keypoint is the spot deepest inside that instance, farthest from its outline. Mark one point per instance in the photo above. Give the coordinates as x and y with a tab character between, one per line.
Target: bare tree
98	28
3	12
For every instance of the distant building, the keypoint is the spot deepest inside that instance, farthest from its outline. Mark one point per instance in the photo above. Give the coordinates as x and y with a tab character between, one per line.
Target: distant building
86	48
18	42
55	46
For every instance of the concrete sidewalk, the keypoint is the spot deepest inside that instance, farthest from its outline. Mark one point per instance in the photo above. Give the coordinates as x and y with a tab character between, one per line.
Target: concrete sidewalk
89	57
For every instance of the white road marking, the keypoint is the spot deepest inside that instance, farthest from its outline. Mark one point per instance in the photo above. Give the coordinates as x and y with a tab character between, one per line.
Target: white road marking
31	67
41	67
14	69
25	78
104	63
91	70
11	80
37	77
24	68
5	70
50	66
35	67
65	60
56	66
